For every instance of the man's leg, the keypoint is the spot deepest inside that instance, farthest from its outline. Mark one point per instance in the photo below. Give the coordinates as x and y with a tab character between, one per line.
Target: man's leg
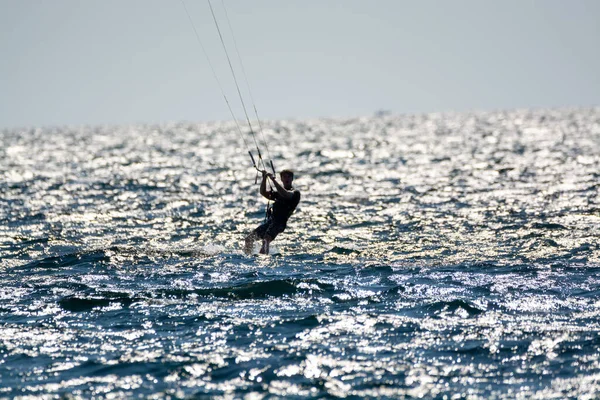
249	242
265	246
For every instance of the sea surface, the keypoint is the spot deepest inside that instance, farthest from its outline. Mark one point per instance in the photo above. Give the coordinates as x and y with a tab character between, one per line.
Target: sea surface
432	256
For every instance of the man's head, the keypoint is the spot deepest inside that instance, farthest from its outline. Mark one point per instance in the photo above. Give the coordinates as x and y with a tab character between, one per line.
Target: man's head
287	177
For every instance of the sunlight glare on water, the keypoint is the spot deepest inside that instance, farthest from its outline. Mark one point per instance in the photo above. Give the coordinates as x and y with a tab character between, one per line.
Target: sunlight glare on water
439	255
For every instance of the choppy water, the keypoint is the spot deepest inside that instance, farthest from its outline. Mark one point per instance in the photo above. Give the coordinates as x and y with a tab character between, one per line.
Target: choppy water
431	256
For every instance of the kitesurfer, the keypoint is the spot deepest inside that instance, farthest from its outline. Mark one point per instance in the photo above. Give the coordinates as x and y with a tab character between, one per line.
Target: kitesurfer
285	199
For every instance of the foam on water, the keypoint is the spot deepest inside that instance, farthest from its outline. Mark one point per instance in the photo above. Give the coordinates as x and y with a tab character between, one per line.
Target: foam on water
431	255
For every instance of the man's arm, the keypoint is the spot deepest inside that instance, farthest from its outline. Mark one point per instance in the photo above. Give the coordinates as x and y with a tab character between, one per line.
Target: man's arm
286	194
263	186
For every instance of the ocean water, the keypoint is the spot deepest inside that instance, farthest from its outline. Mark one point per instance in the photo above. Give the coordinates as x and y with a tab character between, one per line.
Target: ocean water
432	256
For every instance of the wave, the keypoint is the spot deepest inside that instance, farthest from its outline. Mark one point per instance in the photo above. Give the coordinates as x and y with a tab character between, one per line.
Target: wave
77	304
453	306
67	260
256	290
246	291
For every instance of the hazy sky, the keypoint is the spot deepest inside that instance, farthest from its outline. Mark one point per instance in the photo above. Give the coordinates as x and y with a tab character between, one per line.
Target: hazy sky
128	61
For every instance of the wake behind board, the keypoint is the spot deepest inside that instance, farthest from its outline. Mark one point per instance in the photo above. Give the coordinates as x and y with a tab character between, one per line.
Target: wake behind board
273	250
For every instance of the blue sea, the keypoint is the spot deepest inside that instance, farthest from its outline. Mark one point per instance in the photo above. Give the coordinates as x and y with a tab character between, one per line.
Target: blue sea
449	256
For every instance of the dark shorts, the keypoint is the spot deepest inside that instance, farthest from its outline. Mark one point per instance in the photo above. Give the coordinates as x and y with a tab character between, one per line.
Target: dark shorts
271	228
